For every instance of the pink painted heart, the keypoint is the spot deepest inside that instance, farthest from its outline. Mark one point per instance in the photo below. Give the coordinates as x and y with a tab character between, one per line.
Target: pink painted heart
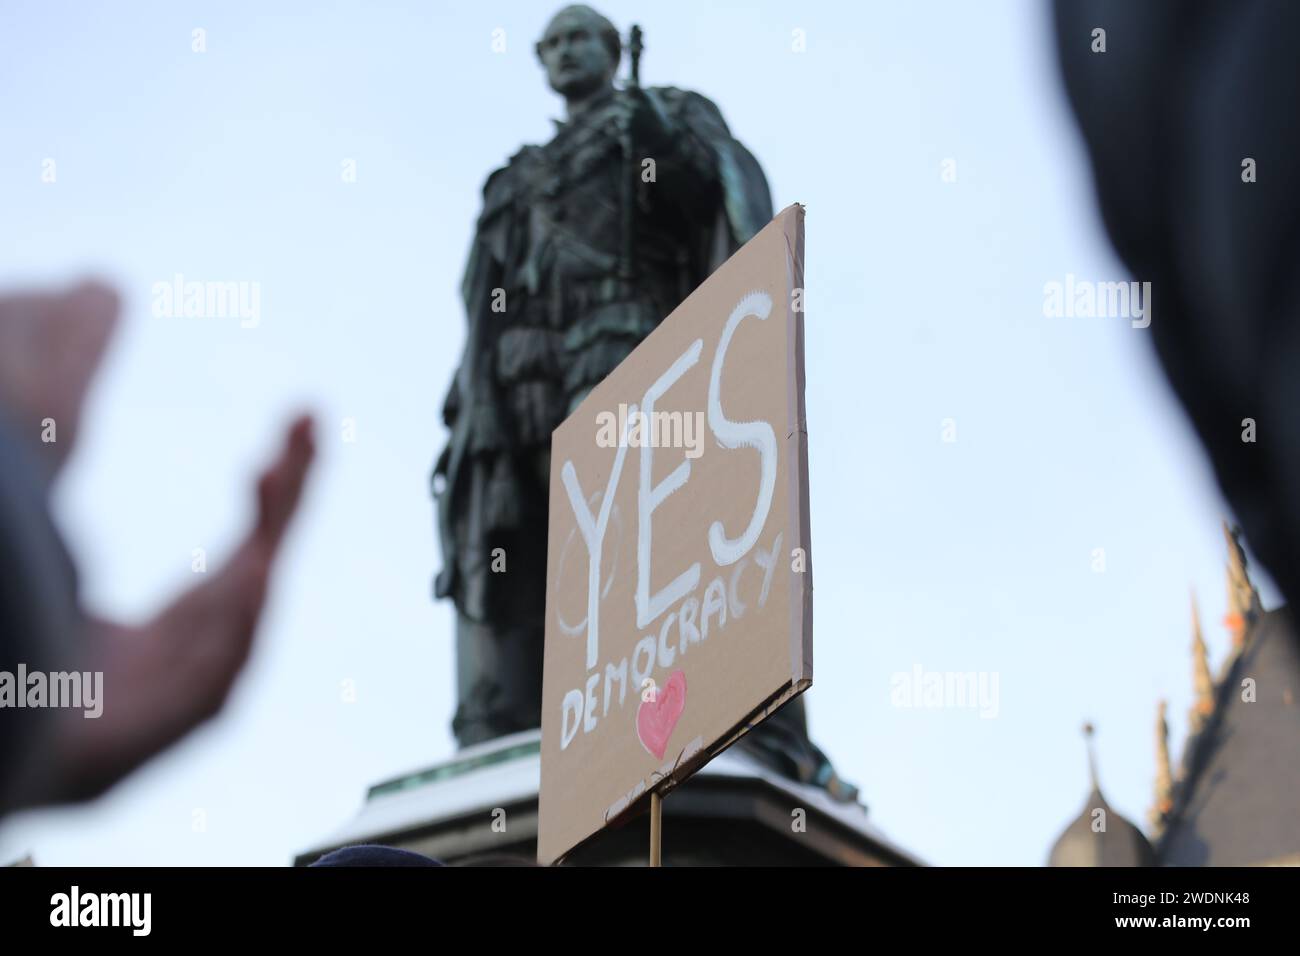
655	719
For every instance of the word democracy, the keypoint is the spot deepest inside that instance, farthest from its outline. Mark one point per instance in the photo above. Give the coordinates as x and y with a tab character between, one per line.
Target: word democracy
721	602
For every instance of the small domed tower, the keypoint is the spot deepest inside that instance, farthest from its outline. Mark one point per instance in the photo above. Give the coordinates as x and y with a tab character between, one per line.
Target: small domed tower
1099	836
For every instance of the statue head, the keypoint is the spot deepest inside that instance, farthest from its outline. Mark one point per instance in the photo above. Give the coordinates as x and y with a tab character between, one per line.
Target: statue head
580	50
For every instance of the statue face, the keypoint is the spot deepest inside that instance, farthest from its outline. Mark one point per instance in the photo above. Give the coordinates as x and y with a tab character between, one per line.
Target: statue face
577	62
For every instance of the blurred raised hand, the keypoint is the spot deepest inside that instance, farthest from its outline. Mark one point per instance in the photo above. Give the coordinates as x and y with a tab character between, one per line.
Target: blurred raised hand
164	678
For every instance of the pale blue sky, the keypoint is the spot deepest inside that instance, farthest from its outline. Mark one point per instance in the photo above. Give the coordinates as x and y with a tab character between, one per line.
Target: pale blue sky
924	303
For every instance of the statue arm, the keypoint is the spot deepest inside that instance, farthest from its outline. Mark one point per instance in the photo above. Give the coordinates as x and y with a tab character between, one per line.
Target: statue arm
484	271
467	401
686	167
712	161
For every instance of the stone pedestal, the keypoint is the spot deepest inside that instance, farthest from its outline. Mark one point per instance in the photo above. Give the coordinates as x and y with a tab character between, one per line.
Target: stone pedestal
481	805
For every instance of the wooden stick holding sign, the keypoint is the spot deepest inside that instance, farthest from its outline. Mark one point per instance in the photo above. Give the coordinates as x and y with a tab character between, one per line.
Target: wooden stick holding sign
679	589
656	827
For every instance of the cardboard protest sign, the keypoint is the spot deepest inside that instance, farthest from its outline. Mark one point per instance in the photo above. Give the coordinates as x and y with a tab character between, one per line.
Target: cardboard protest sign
679	594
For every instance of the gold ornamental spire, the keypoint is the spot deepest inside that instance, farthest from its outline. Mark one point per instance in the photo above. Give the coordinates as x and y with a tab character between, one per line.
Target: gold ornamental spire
1243	599
1202	682
1164	801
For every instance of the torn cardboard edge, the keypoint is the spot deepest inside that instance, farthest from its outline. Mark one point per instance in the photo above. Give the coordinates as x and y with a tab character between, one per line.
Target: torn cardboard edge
801	583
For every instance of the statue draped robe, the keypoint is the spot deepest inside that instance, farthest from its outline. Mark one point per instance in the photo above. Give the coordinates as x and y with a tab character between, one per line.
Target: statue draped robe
549	314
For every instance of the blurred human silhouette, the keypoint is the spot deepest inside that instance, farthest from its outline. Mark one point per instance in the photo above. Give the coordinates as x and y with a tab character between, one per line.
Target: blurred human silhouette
161	679
1186	108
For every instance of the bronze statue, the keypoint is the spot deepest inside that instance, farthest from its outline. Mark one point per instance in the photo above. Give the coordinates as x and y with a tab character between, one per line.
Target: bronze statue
583	246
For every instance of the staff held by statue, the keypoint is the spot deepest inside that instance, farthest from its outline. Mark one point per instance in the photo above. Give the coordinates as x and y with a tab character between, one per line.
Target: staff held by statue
627	255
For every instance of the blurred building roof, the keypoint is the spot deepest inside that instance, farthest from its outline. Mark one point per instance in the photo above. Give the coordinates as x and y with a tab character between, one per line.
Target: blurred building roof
1100	835
1233	799
1234	802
